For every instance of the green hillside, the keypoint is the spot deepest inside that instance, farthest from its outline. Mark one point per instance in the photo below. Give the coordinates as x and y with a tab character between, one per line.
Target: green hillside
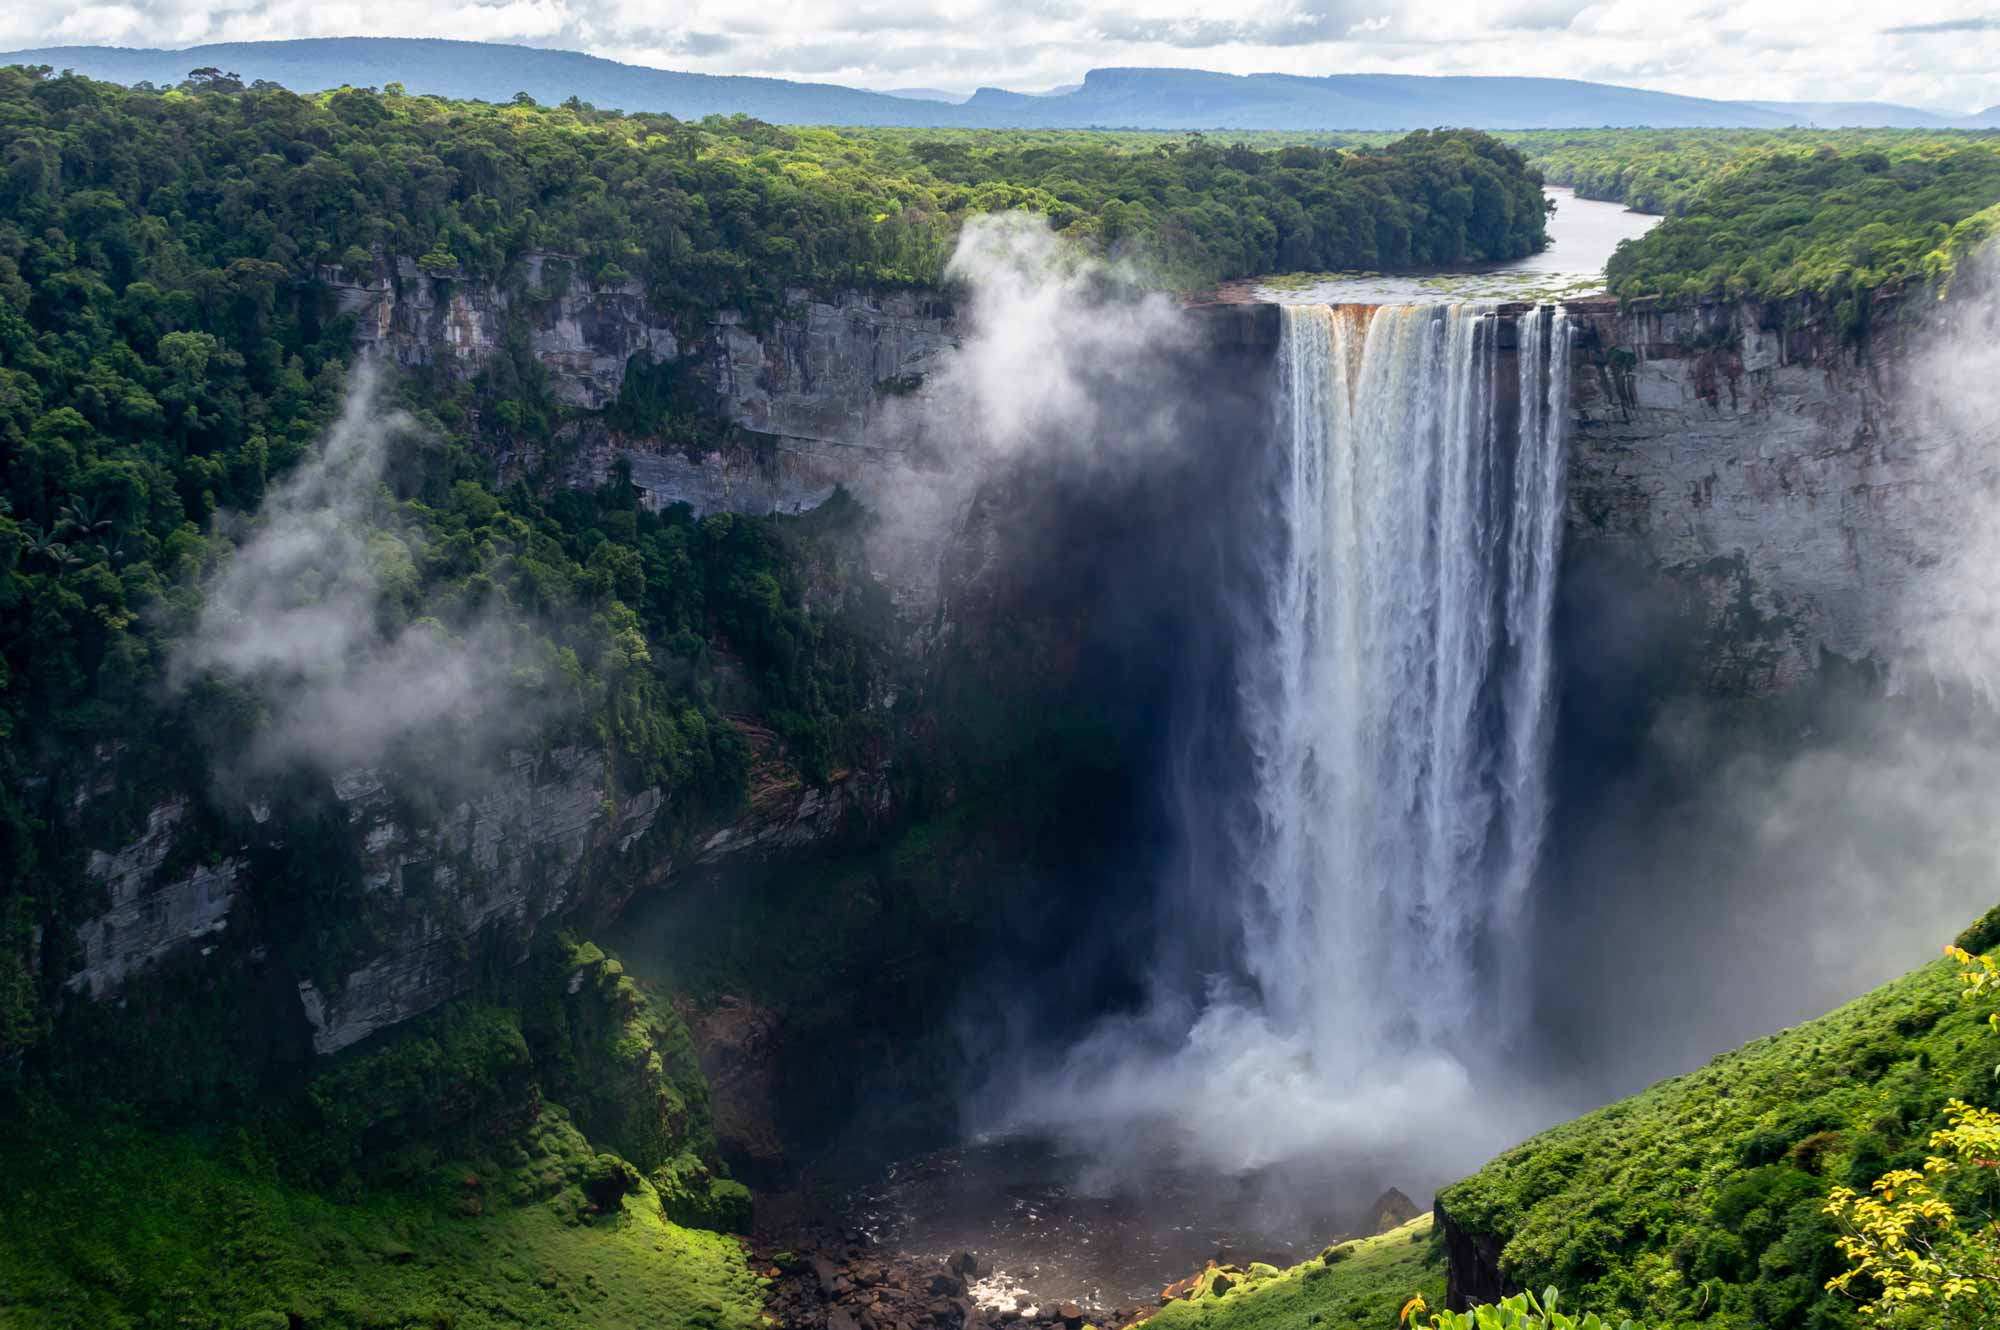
1701	1199
1350	1286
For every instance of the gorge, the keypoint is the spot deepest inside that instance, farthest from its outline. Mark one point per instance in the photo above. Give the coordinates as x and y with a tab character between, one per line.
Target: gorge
1365	787
1738	460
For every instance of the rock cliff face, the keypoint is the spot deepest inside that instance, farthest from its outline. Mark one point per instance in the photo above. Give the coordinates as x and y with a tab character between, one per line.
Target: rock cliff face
542	838
807	394
1771	475
1744	454
1768	468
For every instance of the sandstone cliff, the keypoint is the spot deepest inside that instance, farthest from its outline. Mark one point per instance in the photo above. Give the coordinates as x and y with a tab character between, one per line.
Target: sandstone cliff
1769	468
804	392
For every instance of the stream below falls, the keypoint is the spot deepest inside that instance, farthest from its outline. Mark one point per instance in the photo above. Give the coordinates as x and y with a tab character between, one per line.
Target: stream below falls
1049	1227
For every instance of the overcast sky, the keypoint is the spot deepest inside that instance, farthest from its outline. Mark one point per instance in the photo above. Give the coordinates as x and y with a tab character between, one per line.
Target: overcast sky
1940	54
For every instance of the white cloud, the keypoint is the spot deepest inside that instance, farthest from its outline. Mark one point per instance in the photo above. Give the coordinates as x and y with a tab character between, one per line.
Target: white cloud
1929	54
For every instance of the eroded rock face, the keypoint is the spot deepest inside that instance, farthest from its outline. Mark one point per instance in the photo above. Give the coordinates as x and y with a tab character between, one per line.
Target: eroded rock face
1770	468
583	334
808	393
153	911
506	859
540	839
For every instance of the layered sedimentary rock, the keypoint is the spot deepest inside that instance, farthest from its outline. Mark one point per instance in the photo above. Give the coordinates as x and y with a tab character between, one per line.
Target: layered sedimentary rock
807	392
1770	467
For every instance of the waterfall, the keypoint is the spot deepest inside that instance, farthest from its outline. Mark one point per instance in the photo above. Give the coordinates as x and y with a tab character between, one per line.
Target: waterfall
1364	817
1398	717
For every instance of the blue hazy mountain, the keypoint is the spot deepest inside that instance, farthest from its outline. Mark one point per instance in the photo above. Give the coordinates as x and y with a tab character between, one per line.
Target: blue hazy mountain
1866	115
1178	99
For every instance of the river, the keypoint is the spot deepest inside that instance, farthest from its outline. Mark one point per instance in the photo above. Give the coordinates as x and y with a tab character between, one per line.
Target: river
1583	234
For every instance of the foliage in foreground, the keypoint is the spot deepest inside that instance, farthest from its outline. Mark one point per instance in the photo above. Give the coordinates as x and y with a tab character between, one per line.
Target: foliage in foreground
1914	1261
1705	1197
1350	1286
1523	1311
105	1228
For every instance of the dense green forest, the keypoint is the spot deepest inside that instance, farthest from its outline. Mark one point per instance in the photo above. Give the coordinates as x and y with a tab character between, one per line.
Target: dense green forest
1660	170
1824	222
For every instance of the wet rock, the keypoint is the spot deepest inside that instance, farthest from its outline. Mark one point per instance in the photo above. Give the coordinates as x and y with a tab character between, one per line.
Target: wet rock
827	1273
1222	1284
838	1319
1071	1314
965	1265
947	1285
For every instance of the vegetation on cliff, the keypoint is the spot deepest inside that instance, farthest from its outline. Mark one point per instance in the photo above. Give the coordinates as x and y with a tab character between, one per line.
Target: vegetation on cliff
1662	170
1706	1197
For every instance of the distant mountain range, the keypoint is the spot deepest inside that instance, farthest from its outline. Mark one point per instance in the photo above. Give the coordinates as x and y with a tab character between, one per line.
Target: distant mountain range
1170	99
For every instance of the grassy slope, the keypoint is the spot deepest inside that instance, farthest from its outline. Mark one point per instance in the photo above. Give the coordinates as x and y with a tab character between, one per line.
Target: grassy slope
420	1179
1700	1197
126	1228
1363	1287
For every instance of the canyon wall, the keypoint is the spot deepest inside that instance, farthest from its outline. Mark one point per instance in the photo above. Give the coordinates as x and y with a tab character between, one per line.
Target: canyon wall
545	836
1767	467
1746	462
1743	455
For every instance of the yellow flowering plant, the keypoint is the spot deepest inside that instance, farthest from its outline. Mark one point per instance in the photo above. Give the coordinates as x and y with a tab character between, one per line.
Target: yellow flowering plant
1913	1259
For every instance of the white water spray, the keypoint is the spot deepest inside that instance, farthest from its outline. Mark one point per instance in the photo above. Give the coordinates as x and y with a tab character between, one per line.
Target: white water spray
1399	719
1395	702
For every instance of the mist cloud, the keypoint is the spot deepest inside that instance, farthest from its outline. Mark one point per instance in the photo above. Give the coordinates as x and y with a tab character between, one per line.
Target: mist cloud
314	611
1060	366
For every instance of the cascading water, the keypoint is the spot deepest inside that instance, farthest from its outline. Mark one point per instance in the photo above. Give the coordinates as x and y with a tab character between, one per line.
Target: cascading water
1399	717
1347	947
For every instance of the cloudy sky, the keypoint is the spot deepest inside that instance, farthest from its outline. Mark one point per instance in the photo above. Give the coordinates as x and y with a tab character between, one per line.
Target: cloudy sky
1934	53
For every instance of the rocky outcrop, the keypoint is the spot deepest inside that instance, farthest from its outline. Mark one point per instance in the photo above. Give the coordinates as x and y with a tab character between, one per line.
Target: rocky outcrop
506	859
806	393
152	910
1472	1264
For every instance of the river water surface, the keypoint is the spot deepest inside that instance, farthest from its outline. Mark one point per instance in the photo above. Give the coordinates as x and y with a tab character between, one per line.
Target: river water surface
1583	233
